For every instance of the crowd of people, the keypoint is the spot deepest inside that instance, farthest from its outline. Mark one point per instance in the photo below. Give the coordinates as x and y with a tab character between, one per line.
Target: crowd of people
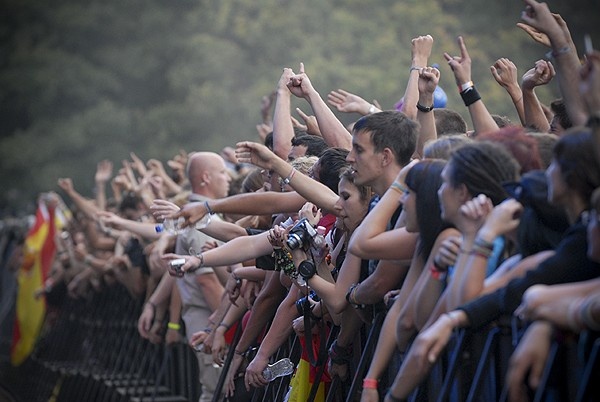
406	213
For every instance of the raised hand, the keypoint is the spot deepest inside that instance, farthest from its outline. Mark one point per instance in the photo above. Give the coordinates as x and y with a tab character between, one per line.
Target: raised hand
263	130
191	212
312	127
110	219
429	78
538	16
460	65
104	171
347	102
162	208
256	154
137	164
421	49
66	184
589	86
504	72
300	85
156	167
541	74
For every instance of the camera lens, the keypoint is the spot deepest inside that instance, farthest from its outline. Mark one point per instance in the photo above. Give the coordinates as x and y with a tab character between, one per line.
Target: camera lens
294	241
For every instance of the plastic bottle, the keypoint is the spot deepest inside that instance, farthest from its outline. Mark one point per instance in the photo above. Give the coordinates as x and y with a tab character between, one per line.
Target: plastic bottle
204	222
319	243
171	226
280	368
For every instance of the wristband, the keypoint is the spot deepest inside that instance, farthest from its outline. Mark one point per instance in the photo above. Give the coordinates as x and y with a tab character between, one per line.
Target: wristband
288	179
470	96
553	54
226	326
174	325
415	68
372	109
210	211
370	383
398	187
465	86
424	109
436	273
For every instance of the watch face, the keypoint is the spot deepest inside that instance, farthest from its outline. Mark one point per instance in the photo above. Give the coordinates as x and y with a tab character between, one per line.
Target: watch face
307	269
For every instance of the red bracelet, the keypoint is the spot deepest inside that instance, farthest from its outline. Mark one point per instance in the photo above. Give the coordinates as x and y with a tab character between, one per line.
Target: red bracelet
370	383
436	273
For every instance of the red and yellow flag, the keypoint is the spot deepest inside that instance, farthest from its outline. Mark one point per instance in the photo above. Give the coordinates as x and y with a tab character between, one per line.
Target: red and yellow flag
39	250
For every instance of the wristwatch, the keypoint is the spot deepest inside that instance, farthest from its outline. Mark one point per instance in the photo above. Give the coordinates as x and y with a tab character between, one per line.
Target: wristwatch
307	269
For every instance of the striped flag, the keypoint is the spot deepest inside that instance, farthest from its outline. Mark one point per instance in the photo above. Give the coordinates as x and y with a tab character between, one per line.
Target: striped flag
39	250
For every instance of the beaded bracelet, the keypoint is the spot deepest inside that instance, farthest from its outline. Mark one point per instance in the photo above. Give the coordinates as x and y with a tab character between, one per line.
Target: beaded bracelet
284	262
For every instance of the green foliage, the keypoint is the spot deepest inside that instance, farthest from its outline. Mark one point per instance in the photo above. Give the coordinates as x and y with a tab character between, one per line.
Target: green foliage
82	81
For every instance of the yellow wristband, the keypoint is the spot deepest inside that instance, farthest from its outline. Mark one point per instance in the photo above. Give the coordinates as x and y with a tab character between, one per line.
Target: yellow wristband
174	325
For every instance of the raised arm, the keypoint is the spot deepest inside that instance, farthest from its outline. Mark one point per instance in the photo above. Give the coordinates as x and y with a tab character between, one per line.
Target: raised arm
428	81
83	204
347	102
541	74
538	16
146	230
504	72
461	67
333	131
103	173
420	51
258	203
310	189
283	130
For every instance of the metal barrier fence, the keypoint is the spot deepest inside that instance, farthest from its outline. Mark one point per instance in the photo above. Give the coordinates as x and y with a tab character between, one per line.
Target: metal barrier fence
93	352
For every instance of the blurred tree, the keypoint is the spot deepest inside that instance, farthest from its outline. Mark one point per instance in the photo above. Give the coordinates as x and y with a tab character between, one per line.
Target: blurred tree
85	80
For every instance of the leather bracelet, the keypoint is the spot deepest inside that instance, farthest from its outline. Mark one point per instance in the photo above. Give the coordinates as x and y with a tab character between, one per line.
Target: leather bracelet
424	109
208	208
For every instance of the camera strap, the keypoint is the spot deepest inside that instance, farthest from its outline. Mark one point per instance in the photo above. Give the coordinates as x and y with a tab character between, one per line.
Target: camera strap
320	358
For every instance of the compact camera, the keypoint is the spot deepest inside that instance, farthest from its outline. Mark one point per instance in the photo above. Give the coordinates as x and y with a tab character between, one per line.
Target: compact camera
177	264
304	305
301	234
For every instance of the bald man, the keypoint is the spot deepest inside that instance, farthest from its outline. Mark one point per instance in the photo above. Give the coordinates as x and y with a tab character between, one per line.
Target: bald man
201	291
